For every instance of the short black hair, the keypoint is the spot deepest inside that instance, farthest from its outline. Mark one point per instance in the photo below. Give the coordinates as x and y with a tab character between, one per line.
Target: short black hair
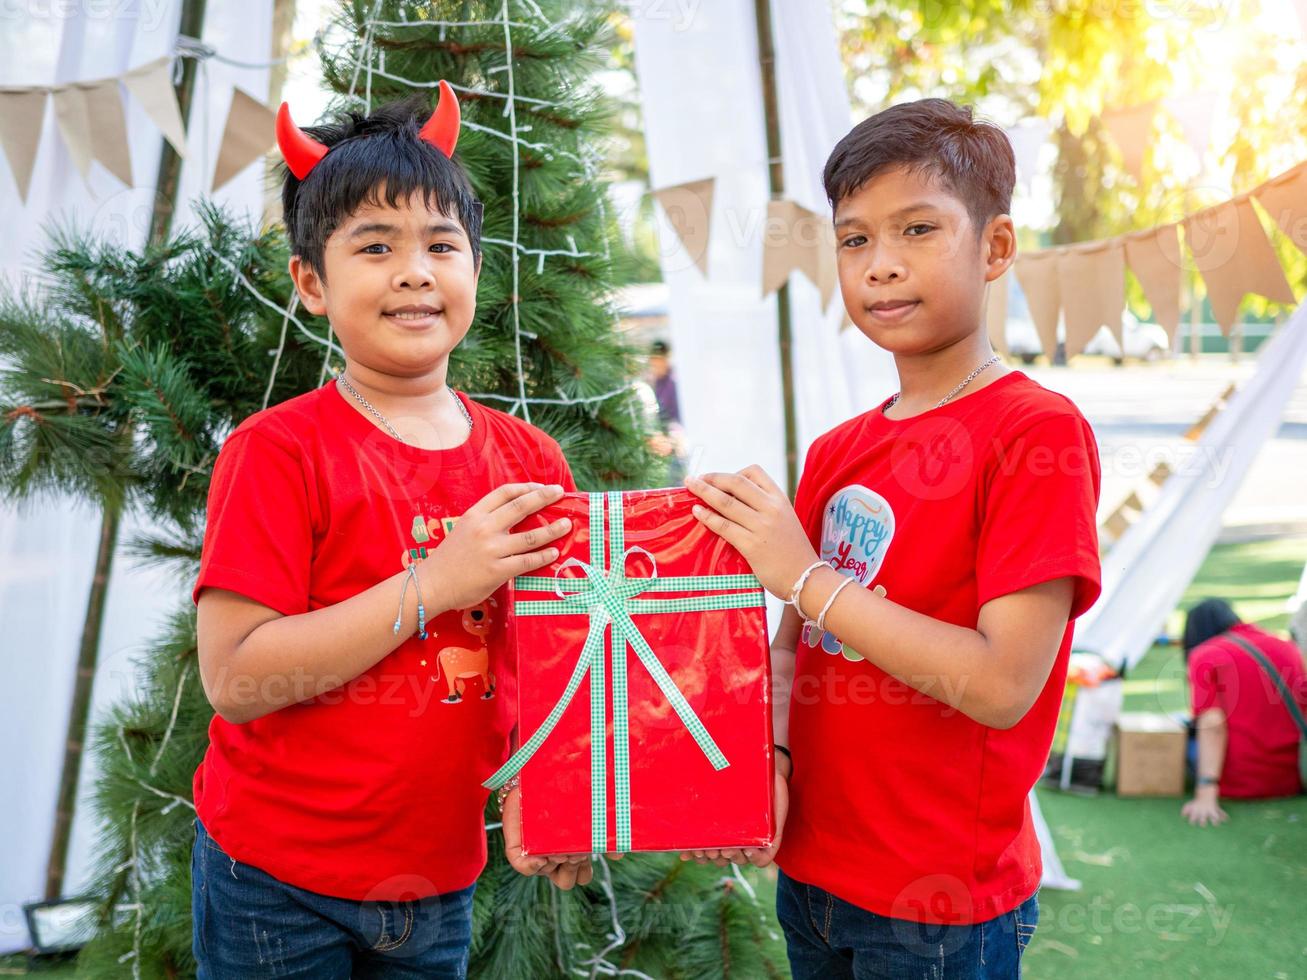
1208	619
934	137
366	153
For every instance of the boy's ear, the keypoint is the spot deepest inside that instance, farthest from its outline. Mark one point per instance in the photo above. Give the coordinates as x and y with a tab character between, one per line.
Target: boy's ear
309	285
999	246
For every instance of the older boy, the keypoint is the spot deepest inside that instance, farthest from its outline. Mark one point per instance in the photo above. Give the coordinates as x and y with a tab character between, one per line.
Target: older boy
921	703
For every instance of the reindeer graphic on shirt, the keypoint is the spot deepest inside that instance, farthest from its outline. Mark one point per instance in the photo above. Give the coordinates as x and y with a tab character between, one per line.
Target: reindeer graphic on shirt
456	664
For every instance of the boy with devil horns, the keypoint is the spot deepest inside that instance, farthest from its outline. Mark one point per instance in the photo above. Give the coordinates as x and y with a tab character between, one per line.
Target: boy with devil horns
357	536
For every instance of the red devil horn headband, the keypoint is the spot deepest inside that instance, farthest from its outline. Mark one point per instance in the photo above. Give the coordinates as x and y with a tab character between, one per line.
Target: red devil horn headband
302	151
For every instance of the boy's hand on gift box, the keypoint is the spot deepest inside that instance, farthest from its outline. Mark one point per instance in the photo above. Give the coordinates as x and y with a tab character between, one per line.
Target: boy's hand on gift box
481	554
752	513
564	870
759	857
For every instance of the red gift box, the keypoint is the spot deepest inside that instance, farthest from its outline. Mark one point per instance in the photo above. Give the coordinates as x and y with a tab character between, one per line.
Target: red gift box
644	684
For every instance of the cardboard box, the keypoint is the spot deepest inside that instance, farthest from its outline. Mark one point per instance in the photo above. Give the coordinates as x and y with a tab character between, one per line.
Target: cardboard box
1150	755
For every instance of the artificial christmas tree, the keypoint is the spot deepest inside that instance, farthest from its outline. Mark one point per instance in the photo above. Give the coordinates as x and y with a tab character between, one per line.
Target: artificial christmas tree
204	331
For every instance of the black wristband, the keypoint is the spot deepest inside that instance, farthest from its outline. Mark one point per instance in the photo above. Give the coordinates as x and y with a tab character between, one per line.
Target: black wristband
786	752
1208	780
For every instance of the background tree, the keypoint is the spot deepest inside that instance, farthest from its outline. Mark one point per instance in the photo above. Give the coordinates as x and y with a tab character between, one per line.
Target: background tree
123	374
1071	61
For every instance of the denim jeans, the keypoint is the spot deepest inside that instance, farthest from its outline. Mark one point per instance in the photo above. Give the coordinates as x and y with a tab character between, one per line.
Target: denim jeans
827	937
247	925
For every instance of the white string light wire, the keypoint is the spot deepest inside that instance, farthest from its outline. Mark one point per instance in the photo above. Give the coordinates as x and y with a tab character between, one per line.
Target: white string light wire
133	860
510	110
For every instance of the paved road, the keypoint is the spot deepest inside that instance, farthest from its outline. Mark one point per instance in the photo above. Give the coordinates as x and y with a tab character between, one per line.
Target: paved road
1141	412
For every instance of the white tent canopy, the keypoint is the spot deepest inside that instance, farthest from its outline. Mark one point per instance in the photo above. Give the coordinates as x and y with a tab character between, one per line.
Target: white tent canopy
1147	570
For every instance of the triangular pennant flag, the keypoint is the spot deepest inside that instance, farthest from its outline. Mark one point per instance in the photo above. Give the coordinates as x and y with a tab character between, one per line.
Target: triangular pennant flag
1232	253
1194	113
1037	274
151	85
1154	258
1091	278
22	114
1131	130
1027	140
108	128
75	124
782	253
826	275
815	236
251	131
1285	200
688	208
996	313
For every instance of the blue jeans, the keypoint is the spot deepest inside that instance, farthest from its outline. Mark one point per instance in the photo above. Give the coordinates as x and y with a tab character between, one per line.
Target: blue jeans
247	925
827	937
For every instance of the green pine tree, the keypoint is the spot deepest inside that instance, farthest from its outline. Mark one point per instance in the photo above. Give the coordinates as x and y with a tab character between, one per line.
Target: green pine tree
546	303
123	373
177	344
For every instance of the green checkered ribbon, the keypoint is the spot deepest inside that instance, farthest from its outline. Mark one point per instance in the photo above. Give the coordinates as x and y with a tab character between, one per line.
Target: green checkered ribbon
608	598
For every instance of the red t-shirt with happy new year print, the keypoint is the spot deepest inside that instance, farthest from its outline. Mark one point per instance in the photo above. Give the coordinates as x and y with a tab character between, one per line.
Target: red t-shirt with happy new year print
372	790
898	803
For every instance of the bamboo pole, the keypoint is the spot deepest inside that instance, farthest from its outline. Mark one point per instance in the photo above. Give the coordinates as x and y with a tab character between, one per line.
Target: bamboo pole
165	203
170	164
776	180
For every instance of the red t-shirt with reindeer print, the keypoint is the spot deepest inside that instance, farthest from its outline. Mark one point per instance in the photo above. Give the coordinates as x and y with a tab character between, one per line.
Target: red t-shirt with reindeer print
371	791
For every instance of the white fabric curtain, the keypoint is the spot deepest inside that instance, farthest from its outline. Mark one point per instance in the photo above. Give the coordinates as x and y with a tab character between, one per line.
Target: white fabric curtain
47	549
700	89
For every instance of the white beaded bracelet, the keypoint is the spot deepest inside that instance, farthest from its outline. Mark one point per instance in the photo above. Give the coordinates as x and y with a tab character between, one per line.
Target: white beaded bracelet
821	616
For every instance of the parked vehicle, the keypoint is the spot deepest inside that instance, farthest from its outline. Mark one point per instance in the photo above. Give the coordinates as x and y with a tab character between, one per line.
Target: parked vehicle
1144	341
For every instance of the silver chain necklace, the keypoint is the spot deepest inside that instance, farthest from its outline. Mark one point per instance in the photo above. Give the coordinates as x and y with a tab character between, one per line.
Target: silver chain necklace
382	419
949	397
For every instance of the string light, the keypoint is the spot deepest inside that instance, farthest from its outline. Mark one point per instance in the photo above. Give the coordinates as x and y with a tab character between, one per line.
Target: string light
133	860
510	110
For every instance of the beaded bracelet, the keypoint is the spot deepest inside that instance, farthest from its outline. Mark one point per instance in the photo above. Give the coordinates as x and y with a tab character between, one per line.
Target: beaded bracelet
507	788
412	576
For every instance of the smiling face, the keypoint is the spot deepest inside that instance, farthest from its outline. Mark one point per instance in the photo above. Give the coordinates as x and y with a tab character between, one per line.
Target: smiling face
912	268
398	285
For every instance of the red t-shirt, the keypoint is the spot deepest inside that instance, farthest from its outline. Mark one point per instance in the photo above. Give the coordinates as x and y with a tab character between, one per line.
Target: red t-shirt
372	790
1261	754
900	804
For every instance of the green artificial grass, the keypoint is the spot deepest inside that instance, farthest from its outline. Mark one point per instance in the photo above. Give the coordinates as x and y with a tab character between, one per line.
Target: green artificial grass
1161	898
